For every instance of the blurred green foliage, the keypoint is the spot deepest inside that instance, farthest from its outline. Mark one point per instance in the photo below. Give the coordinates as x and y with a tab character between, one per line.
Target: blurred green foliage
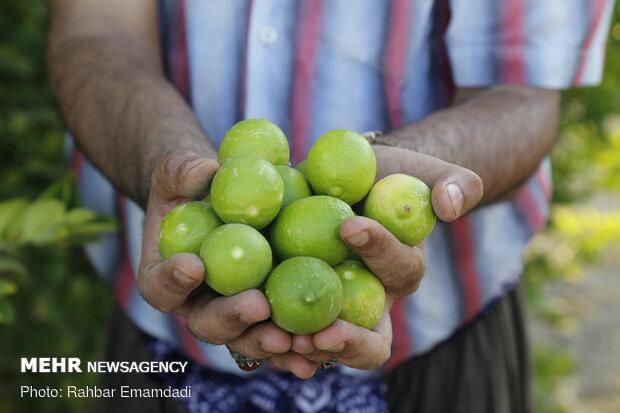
585	214
51	303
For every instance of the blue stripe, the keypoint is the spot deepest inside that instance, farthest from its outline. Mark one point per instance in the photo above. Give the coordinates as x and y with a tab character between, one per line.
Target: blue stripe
350	62
105	254
419	94
269	85
215	37
435	308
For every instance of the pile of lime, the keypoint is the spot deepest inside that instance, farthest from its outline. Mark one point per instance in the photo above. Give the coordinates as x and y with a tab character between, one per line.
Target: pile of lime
266	224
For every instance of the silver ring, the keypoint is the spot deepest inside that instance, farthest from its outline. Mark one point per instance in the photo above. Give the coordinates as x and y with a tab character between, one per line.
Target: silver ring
329	363
245	363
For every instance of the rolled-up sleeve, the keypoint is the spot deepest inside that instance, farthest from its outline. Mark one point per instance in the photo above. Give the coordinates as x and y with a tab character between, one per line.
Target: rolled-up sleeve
545	43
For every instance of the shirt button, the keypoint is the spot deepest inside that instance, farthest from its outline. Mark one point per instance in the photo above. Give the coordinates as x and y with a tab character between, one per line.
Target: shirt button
267	35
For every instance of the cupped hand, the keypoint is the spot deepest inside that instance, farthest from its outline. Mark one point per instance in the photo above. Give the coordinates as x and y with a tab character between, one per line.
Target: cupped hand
455	191
176	285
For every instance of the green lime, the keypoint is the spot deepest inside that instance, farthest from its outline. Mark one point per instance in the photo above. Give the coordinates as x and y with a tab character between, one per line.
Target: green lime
247	190
295	185
305	295
255	137
303	168
341	163
364	295
402	204
236	258
185	227
310	227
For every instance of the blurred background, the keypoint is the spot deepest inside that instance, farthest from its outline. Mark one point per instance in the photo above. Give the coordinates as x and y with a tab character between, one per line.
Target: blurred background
52	303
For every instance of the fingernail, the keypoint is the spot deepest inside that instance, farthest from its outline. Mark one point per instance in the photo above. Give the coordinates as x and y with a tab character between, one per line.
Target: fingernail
183	279
358	240
456	197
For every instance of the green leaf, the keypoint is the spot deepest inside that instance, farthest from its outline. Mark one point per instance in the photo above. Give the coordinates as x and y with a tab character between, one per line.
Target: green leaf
43	222
91	231
7	288
62	189
10	265
7	312
79	216
9	212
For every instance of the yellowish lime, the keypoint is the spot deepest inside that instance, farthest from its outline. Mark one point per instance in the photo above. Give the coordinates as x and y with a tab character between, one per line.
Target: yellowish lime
402	204
364	295
305	295
255	137
342	164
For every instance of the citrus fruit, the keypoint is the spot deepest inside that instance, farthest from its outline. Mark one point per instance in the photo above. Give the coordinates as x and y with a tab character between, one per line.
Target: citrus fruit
255	137
185	227
295	185
247	190
303	168
402	204
236	258
364	296
341	163
310	227
305	295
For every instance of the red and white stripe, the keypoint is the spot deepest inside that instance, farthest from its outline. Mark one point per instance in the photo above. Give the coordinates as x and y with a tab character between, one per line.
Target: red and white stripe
178	53
596	12
512	23
394	61
124	282
307	38
513	70
395	57
464	247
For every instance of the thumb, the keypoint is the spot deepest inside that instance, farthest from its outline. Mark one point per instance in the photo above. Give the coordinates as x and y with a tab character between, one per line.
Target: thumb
183	174
455	190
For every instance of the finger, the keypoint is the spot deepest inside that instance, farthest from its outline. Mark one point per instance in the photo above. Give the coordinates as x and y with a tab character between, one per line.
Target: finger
399	266
302	343
183	174
295	363
317	357
261	340
455	190
177	176
166	284
355	346
223	319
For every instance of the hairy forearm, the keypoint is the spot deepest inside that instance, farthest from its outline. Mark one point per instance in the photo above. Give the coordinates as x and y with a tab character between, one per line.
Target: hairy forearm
120	109
501	133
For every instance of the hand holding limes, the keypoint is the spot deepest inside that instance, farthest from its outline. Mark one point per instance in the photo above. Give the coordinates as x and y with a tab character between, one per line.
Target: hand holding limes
177	284
311	233
398	265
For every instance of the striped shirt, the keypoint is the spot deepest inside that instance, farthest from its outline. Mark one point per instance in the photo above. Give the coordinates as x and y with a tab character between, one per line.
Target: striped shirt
314	65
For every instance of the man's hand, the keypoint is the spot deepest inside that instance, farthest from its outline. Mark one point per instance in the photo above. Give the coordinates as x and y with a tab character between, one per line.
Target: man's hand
455	190
177	285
